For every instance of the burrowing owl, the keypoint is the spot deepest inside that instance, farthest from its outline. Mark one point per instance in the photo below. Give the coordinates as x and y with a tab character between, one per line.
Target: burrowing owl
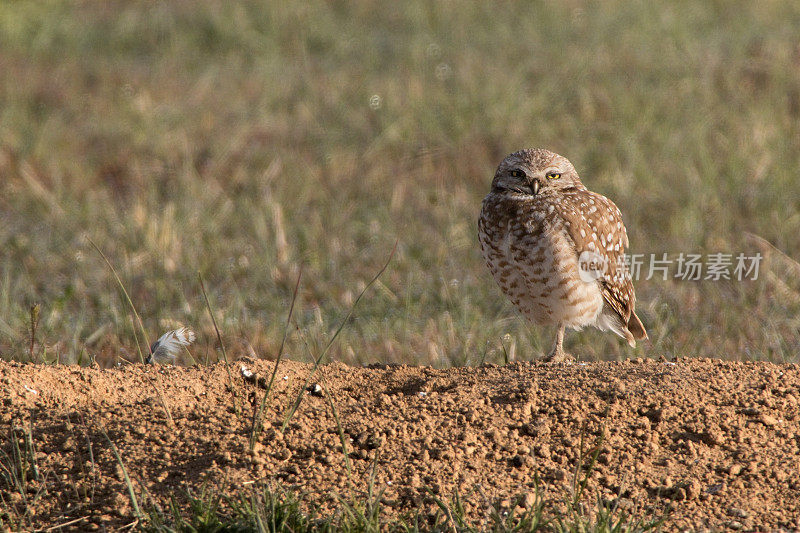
557	249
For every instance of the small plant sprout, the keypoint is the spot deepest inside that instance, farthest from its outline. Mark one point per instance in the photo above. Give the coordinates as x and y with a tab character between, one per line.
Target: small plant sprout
35	309
166	348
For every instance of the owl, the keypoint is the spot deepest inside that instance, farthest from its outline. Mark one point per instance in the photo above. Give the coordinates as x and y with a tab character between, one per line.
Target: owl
557	249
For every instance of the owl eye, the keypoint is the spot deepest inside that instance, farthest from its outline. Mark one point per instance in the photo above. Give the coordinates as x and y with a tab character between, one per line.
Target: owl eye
553	175
517	174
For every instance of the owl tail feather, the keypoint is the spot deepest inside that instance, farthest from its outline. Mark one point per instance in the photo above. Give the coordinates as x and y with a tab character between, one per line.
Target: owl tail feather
636	329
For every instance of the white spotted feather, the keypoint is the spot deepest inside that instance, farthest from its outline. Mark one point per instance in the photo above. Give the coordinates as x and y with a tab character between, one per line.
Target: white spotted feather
167	347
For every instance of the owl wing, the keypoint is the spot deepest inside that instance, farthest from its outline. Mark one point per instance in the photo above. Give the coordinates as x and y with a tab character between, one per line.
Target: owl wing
595	226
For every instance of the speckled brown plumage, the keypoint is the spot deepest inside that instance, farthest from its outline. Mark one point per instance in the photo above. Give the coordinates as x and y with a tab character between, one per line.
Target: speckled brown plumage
538	225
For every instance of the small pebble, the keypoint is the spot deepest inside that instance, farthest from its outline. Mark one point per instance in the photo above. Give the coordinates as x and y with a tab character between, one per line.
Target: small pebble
736	512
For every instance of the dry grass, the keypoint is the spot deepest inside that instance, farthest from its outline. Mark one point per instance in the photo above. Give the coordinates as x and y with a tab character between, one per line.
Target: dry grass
245	140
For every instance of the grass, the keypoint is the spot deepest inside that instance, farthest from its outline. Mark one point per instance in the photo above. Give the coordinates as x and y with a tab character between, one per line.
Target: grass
245	141
317	360
128	483
21	482
281	510
274	509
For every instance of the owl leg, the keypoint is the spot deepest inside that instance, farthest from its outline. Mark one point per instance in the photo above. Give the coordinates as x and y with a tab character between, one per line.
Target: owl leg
557	354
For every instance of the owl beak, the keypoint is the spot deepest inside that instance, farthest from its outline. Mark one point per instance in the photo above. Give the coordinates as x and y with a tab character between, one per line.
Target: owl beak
535	187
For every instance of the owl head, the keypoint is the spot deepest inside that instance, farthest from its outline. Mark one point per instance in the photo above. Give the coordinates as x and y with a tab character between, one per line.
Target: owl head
535	171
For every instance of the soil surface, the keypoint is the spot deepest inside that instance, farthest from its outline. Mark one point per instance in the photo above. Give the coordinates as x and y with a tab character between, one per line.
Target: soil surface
714	444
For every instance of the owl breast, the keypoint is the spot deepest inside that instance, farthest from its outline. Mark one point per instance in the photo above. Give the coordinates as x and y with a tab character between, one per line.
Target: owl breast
527	247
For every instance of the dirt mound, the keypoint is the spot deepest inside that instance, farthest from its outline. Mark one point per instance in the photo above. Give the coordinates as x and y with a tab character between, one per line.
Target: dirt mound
715	444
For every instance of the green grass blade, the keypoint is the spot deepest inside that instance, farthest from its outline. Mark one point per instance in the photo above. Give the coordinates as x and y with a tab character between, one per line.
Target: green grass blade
221	344
258	416
298	400
127	298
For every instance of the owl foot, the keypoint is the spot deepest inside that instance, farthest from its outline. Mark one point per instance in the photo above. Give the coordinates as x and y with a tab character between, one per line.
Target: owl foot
558	356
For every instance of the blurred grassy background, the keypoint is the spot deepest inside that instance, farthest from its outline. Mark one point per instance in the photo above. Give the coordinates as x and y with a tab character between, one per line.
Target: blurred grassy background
243	140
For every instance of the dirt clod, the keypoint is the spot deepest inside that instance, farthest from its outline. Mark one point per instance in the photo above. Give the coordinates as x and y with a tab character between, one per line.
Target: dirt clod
768	420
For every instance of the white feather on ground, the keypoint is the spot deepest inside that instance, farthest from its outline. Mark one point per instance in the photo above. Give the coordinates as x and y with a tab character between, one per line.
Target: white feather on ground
166	348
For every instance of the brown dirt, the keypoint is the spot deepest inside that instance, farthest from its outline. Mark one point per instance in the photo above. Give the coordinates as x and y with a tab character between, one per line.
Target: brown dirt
716	443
